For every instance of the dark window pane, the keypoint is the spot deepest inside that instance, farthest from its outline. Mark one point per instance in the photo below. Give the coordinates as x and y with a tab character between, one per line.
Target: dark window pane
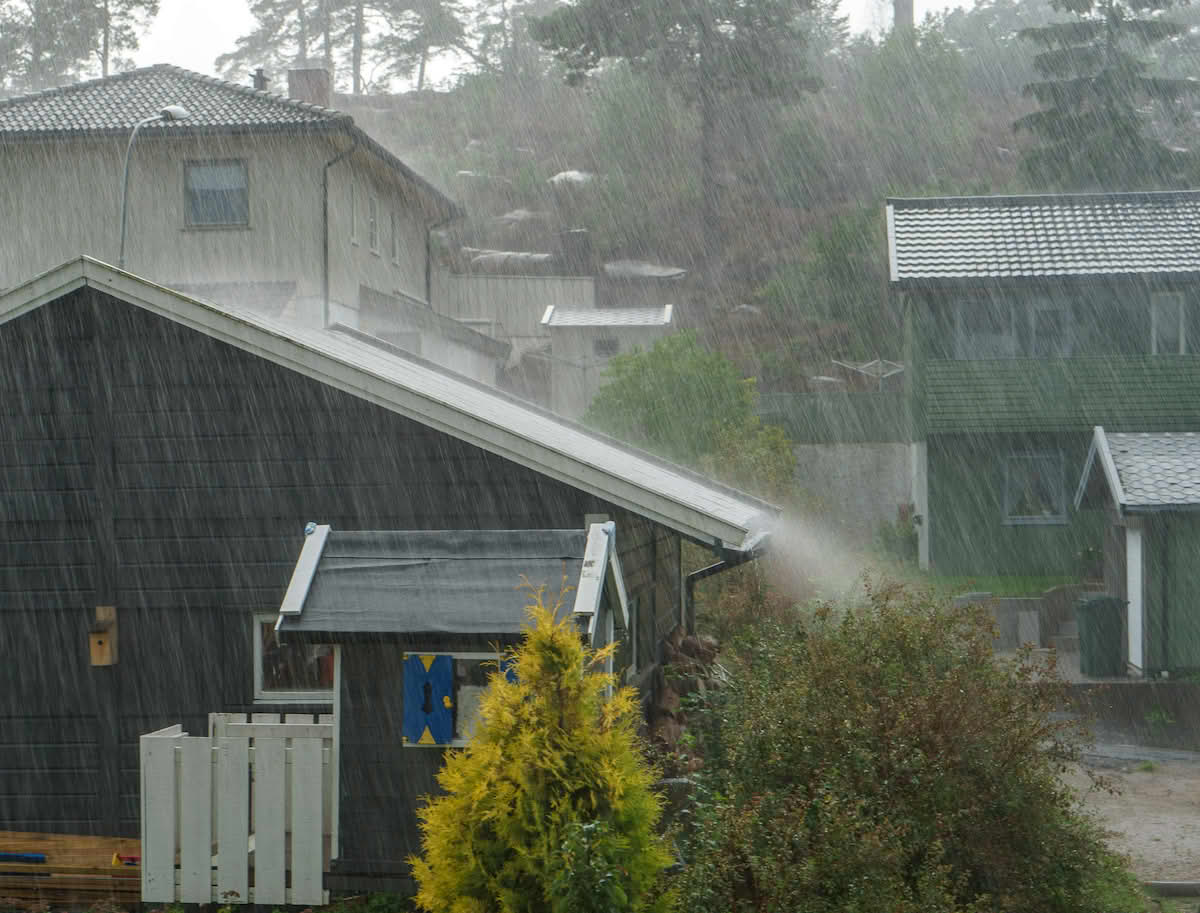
1035	488
217	194
294	667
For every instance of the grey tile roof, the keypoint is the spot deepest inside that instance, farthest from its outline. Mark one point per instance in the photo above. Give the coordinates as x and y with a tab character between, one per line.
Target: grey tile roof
957	238
1157	470
608	317
115	104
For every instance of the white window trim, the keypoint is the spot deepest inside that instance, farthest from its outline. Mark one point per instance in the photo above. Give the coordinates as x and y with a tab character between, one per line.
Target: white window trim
395	237
262	696
1059	519
494	657
188	224
1176	310
373	223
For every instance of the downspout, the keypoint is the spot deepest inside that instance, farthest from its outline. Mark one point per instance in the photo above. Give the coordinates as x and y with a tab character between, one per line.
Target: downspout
325	226
727	563
429	230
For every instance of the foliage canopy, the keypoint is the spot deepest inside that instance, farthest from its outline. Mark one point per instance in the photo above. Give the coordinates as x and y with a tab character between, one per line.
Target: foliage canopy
552	780
880	757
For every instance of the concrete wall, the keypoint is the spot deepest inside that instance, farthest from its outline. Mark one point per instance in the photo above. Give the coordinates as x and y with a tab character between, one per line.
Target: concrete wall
862	485
515	303
577	372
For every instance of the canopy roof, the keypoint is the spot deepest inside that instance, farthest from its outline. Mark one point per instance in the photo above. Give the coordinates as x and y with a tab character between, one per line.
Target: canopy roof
1142	472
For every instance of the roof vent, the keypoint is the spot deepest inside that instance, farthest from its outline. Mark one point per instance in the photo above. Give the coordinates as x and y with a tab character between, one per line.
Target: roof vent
260	80
311	84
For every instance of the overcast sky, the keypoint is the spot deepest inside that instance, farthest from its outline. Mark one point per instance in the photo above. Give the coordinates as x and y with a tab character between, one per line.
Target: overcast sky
191	33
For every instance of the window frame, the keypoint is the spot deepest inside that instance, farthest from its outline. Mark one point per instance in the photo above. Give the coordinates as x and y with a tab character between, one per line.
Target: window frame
395	219
1058	519
1178	304
989	301
496	657
188	223
1043	303
264	696
353	211
373	223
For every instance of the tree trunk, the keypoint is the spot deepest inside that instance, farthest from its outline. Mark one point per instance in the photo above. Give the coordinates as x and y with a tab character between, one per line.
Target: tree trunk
327	36
421	69
105	34
710	222
301	35
356	48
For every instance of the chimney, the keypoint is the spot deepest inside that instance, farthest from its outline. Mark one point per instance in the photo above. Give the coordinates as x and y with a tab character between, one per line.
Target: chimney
260	79
310	85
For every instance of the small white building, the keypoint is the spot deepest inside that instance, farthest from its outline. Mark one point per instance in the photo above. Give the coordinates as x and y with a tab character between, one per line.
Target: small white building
582	342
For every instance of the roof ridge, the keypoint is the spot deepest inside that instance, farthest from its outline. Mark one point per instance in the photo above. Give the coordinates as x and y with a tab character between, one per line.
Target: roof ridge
1042	199
332	114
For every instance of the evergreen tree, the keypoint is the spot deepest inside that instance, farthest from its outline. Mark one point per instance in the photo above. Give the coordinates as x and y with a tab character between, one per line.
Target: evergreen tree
415	31
1092	131
119	22
549	808
708	47
288	33
46	43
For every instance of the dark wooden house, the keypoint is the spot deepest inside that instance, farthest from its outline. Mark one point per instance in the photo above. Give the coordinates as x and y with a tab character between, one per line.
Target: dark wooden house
161	458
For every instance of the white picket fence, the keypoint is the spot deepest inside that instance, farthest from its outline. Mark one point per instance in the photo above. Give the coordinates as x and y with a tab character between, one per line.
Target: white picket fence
245	814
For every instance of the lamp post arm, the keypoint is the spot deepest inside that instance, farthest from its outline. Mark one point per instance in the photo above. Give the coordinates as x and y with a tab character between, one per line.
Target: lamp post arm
125	183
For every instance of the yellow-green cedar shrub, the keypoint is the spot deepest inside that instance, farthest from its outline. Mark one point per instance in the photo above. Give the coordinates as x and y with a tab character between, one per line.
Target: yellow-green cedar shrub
551	750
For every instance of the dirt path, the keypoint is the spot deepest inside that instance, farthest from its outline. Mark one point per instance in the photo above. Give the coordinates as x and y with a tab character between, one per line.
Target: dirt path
1156	818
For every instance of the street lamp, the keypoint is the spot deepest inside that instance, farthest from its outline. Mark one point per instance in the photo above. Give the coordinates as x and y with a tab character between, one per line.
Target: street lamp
167	114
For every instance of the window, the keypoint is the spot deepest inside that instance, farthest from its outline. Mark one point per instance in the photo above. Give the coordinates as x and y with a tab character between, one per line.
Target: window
1033	488
216	193
353	213
1168	323
373	224
984	329
1049	329
395	238
290	672
442	693
606	348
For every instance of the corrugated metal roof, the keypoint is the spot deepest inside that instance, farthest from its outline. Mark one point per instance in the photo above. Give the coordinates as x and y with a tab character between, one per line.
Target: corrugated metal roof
1154	471
956	238
464	582
483	416
117	103
608	317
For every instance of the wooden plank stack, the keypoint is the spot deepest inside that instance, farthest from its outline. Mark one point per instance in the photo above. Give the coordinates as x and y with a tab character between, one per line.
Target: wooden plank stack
78	869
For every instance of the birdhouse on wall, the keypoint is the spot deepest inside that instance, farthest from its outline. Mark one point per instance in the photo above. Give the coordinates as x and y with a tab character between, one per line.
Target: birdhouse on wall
102	636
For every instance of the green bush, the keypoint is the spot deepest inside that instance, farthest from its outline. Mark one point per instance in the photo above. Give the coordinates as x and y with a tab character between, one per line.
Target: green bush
879	757
552	779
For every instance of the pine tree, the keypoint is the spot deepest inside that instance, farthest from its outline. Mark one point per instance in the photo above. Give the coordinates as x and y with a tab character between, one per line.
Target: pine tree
706	47
550	797
1093	131
288	33
119	23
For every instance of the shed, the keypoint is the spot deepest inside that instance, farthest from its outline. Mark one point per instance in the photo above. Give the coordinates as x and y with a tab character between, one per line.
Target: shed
1149	486
583	342
419	619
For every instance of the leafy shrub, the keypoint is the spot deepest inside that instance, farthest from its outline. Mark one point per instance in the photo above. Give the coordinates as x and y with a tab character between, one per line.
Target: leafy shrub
550	753
879	757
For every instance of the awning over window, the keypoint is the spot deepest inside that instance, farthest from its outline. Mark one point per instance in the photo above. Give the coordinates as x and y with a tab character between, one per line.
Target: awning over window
453	582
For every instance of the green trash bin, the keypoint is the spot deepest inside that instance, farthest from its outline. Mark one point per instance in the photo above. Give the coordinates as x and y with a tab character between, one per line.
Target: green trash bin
1100	620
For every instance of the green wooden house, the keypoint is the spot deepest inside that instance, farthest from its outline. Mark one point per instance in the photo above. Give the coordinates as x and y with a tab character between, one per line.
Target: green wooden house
1145	487
1028	321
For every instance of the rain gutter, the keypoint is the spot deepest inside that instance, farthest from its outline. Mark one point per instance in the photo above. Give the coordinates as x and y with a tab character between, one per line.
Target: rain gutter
731	560
325	224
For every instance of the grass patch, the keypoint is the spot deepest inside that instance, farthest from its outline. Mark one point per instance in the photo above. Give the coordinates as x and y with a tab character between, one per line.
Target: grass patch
1147	767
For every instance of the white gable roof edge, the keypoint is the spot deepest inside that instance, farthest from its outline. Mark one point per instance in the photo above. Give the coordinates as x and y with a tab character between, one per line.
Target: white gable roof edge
297	354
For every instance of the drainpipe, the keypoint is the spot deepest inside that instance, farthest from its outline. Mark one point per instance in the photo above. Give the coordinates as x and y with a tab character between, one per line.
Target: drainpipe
325	226
429	230
730	561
